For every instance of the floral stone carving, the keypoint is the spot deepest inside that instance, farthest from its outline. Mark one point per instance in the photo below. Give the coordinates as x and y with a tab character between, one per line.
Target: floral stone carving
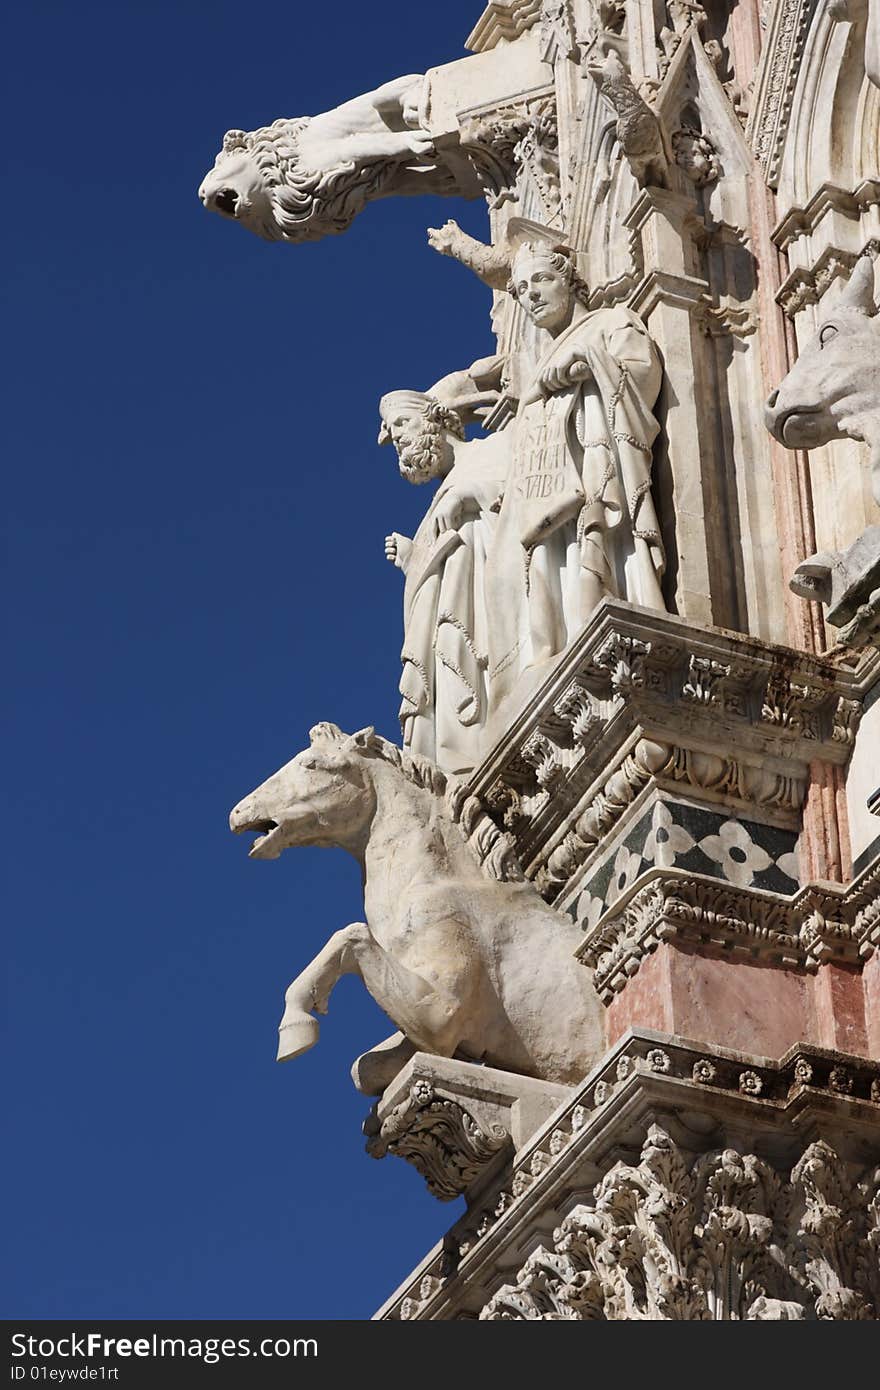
438	1137
724	1238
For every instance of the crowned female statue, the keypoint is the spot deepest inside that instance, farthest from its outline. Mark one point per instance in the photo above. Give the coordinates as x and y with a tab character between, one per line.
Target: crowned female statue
577	521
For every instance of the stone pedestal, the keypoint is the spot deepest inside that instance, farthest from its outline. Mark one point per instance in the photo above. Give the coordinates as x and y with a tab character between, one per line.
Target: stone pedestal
680	1182
457	1123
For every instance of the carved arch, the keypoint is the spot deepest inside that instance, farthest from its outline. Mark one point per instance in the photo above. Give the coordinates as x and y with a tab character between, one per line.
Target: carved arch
834	131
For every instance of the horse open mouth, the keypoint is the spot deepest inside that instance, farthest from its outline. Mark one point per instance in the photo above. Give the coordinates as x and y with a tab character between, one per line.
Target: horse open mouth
267	832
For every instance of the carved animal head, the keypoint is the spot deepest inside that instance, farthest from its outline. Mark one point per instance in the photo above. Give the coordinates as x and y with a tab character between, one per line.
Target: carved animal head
327	796
323	796
260	180
833	389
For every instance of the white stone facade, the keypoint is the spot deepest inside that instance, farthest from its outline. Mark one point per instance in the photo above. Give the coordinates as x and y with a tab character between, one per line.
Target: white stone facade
625	865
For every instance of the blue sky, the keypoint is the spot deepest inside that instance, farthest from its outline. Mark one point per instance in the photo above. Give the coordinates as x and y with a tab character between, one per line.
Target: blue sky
196	508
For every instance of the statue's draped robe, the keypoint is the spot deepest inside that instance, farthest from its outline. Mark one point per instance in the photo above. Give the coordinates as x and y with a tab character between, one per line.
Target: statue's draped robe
577	514
443	683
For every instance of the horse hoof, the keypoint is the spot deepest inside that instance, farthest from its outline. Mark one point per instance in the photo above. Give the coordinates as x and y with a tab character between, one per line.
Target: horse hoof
297	1037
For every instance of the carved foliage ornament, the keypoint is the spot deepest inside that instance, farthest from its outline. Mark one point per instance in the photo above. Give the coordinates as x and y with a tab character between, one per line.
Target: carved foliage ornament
724	1238
783	47
439	1138
557	31
516	141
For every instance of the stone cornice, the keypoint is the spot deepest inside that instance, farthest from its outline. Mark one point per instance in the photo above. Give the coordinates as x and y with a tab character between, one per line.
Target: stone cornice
800	222
644	695
804	287
644	1075
821	923
502	21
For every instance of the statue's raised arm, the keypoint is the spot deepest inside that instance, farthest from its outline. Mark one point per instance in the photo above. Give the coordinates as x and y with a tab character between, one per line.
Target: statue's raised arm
307	177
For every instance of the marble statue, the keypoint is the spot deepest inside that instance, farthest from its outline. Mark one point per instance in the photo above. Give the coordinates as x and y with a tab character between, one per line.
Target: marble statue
833	389
577	521
443	682
453	931
833	392
638	129
305	178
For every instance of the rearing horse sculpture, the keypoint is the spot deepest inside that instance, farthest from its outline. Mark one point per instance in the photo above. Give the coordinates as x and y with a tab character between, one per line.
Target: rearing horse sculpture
461	953
833	389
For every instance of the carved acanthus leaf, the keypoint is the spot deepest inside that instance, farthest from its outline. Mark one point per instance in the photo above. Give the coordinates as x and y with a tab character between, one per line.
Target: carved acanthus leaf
725	1237
439	1138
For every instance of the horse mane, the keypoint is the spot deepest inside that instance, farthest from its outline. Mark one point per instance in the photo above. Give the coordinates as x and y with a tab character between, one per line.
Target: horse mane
492	848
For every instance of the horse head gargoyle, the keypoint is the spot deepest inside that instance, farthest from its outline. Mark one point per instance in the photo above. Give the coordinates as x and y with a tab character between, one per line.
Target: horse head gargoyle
459	950
833	389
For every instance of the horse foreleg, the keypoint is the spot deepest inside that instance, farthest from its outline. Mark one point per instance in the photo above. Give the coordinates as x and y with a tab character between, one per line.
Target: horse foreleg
428	1014
350	951
298	1030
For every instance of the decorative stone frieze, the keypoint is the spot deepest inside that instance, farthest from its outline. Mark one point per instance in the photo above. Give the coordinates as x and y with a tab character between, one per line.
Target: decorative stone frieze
734	1213
644	698
819	924
665	1240
767	126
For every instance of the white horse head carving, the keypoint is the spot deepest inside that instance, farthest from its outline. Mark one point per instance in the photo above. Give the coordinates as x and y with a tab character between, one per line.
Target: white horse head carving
833	389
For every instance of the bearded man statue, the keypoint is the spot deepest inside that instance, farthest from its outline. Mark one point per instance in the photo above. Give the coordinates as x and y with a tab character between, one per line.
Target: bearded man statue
443	682
577	521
